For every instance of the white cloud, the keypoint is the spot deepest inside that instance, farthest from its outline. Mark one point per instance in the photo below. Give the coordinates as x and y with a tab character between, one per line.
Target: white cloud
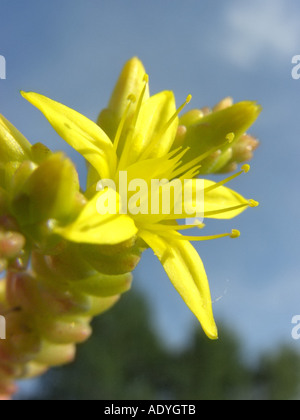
260	29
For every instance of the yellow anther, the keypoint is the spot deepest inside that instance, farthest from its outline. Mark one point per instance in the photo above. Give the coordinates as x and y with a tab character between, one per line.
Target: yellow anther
230	137
188	99
235	233
246	168
146	78
253	203
132	98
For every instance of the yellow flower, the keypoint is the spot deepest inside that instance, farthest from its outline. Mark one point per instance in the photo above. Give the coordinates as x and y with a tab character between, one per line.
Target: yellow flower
137	139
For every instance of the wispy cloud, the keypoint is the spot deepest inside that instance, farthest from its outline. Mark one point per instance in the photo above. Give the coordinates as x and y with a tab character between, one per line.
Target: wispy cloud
260	29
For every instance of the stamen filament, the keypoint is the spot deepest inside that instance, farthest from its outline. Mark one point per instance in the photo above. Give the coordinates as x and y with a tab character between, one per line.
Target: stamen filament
245	169
173	227
148	149
128	144
167	125
213	212
233	234
194	162
131	98
140	101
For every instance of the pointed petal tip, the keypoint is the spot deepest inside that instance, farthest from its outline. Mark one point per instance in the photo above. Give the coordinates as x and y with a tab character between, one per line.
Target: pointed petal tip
28	95
24	94
210	329
213	334
251	107
135	60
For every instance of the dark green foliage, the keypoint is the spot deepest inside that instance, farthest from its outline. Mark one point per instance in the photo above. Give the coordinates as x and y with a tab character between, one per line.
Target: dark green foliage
125	360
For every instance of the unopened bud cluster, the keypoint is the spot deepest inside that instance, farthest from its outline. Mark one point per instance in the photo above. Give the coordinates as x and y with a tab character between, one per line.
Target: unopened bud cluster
201	129
50	288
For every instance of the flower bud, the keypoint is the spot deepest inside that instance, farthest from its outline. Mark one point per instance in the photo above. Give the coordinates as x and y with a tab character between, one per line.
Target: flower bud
52	188
13	145
65	332
102	285
33	369
11	243
55	354
22	342
100	305
206	132
117	263
40	152
130	82
35	297
68	265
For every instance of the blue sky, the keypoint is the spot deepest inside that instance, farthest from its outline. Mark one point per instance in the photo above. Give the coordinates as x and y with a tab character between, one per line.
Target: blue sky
73	50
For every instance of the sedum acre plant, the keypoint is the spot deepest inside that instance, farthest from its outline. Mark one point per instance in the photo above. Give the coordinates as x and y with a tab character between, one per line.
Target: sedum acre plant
63	259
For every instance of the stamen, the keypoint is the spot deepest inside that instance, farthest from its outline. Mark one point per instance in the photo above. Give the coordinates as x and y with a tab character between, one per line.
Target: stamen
139	104
127	146
213	212
148	149
173	227
244	169
230	137
164	129
233	234
132	99
253	203
194	162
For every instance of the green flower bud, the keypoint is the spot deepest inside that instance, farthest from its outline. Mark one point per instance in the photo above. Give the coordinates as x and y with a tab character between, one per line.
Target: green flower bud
22	342
110	259
52	188
69	265
65	332
100	305
11	243
102	285
242	151
40	152
33	369
13	145
205	131
36	297
55	354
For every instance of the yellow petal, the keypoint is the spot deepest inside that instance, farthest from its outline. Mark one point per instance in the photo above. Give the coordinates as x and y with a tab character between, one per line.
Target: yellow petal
94	228
186	271
130	82
79	132
219	200
217	203
152	136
